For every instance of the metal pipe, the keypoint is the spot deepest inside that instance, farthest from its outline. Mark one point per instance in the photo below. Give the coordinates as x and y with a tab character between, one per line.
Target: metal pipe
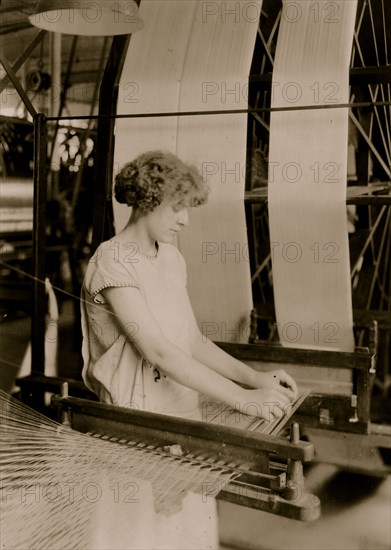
101	116
63	93
55	69
103	212
39	234
55	101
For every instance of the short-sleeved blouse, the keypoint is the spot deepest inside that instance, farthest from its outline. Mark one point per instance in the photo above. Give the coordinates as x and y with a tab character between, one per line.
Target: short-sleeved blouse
113	367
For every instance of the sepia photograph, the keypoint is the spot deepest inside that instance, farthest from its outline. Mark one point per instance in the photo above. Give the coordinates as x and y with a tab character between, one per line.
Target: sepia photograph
195	275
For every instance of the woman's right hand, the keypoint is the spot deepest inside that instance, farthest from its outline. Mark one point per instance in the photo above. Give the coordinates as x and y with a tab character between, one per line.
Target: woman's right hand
267	403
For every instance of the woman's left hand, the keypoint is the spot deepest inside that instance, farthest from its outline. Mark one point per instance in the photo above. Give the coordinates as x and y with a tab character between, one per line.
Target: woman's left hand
277	379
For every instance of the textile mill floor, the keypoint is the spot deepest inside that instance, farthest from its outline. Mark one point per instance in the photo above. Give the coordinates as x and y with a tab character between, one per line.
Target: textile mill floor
356	509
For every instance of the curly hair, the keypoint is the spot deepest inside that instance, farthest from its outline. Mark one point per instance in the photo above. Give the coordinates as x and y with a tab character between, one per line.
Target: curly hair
155	175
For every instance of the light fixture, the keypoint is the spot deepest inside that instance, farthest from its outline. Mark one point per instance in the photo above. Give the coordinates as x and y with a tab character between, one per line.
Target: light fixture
88	18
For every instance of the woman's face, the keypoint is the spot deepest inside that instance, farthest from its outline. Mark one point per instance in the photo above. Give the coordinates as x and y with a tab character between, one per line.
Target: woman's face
167	219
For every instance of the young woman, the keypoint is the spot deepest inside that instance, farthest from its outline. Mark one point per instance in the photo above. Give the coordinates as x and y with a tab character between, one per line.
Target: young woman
141	346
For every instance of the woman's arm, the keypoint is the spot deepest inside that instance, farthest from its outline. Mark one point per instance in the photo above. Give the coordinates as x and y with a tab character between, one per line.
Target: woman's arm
218	360
205	351
130	309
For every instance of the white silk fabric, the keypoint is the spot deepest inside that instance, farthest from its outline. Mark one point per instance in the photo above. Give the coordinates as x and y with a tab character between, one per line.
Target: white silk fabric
308	173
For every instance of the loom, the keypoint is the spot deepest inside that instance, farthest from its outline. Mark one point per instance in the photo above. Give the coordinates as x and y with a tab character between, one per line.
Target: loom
57	467
103	446
263	481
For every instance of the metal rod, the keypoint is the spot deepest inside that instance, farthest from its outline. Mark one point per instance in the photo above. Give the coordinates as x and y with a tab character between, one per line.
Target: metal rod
229	111
370	144
22	58
39	224
18	86
89	128
63	93
269	55
377	260
367	242
103	227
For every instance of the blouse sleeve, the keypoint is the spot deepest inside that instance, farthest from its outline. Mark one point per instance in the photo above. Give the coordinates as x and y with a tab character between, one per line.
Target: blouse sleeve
105	271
